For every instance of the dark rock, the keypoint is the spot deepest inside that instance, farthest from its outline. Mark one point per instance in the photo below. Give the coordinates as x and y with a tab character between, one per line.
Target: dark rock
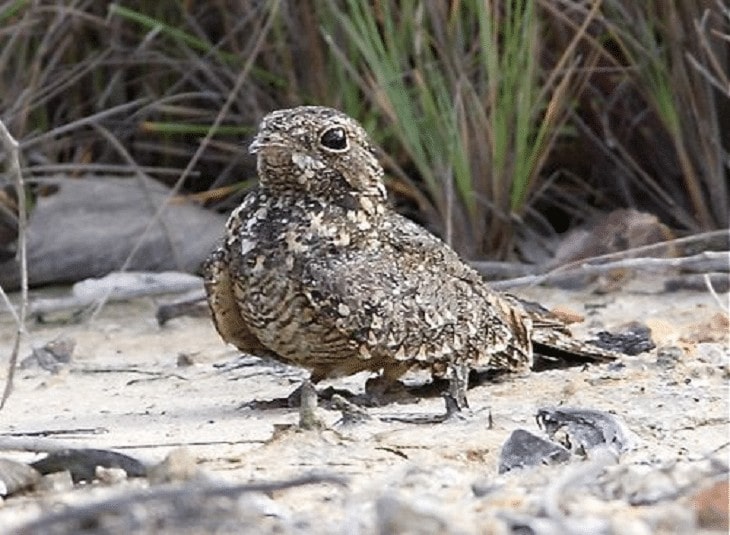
82	463
635	338
52	356
525	449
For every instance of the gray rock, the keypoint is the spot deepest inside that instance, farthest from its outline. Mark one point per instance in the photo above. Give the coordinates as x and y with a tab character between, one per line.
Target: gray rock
525	449
90	226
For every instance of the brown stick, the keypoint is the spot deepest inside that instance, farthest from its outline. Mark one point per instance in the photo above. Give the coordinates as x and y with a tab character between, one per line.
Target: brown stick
12	150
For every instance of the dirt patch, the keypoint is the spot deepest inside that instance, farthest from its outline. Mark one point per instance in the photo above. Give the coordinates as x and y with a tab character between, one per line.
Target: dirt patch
128	388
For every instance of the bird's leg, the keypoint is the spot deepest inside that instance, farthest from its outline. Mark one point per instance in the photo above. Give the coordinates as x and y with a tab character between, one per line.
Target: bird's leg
458	383
296	398
455	397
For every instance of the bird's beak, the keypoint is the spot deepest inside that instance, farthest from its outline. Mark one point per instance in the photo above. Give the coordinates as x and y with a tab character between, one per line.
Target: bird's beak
266	139
255	145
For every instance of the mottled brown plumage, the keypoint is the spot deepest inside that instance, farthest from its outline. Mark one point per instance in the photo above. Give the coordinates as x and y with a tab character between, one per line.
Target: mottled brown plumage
317	271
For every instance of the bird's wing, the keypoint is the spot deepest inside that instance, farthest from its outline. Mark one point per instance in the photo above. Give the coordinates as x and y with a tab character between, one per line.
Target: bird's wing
530	324
552	339
408	295
224	308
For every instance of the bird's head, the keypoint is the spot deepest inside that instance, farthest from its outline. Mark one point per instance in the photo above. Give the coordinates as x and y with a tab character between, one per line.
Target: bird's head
319	151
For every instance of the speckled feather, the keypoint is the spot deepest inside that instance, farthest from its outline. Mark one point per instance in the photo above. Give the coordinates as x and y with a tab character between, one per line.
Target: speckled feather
317	271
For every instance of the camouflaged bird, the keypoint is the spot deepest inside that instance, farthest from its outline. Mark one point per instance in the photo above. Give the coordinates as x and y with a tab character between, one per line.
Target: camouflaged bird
316	270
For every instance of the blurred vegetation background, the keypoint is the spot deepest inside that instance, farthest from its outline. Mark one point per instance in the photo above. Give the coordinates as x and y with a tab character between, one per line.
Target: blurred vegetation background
503	123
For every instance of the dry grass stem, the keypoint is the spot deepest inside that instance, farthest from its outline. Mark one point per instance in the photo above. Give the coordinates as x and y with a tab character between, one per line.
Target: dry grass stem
232	94
12	151
725	307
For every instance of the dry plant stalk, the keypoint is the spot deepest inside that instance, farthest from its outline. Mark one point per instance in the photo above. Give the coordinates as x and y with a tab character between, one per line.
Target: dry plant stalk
13	152
238	84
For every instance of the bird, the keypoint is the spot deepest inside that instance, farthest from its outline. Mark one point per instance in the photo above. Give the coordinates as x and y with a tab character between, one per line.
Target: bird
318	271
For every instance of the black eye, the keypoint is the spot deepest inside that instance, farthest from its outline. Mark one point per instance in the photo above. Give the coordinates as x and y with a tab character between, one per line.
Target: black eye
334	139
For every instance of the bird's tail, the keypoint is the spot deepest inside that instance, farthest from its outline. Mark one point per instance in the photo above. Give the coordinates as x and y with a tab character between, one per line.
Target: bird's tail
553	344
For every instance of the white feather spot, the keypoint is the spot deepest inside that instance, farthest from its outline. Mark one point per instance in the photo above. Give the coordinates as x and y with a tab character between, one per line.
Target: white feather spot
306	162
247	246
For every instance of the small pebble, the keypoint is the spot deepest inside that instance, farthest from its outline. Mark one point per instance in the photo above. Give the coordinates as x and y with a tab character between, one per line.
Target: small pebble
396	515
668	356
53	356
523	448
179	465
581	430
634	338
56	482
110	476
184	360
711	506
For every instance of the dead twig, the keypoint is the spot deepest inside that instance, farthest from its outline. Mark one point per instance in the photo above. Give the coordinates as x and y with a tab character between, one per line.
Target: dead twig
717	76
702	262
708	261
84	121
143	181
36	172
9	305
187	444
723	306
697	282
118	286
171	493
150	374
12	150
495	269
38	444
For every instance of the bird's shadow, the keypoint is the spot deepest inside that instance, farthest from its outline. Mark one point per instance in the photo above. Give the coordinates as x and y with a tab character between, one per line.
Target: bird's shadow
398	393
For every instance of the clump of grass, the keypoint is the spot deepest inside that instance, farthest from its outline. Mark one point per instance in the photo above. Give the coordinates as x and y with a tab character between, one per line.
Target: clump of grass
650	122
464	95
497	118
129	88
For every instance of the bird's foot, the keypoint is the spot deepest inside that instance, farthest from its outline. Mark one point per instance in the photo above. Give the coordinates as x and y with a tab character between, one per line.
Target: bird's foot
453	412
458	383
454	409
324	395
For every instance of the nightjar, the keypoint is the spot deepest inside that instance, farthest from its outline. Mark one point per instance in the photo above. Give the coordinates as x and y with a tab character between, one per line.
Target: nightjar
317	271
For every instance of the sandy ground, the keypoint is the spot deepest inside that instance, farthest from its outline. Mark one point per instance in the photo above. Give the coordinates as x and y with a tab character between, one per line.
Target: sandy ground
126	390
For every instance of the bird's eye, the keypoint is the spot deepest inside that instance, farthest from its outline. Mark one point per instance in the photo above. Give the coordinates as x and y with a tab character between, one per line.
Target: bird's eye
334	139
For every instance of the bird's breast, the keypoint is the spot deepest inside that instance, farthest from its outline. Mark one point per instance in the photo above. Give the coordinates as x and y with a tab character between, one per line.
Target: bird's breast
274	242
